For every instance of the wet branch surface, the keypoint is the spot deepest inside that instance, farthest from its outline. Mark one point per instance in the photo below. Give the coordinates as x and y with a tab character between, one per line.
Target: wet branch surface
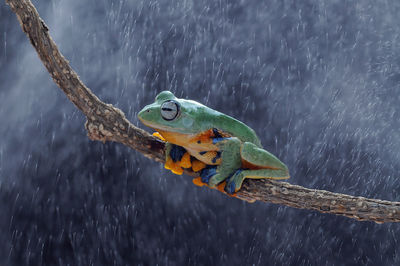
108	123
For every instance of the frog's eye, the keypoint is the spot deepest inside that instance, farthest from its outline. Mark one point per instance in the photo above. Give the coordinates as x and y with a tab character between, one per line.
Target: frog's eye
169	110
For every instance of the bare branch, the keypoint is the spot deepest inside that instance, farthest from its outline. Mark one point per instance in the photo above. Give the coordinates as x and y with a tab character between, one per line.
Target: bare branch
107	123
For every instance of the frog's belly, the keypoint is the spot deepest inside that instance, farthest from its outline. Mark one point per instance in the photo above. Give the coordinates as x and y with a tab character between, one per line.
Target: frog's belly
207	157
190	141
200	146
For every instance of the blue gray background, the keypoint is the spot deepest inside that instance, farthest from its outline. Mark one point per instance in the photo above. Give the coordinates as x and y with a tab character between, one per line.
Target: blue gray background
317	80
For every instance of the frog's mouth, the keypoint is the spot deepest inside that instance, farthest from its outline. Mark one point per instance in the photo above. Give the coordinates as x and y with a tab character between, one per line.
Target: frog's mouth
147	114
147	123
154	126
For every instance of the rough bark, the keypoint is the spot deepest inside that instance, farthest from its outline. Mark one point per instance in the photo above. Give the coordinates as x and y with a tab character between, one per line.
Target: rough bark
107	123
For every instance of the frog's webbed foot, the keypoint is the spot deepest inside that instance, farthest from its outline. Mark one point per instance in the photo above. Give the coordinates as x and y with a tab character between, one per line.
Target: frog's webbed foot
178	158
234	182
208	172
175	156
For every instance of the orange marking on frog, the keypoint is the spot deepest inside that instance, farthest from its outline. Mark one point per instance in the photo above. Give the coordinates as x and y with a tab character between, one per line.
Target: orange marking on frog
197	181
209	157
248	165
206	137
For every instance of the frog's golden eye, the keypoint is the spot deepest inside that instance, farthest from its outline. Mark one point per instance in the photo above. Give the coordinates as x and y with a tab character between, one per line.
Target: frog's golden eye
170	110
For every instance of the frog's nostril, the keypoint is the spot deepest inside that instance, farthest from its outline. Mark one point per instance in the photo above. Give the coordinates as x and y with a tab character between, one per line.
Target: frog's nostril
148	110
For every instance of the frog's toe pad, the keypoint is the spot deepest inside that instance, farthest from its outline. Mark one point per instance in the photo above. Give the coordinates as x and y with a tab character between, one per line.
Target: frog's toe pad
207	173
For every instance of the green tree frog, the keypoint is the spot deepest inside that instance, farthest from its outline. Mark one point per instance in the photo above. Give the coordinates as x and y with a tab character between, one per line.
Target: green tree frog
224	150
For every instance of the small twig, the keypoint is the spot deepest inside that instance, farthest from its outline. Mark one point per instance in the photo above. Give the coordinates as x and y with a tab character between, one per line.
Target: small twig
107	123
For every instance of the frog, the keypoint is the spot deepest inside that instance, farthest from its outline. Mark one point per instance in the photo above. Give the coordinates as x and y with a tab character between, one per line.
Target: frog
222	149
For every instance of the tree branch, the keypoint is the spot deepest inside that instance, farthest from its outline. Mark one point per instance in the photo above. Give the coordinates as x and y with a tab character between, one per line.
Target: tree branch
107	123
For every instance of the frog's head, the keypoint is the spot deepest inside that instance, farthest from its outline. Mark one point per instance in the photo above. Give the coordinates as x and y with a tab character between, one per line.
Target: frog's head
171	114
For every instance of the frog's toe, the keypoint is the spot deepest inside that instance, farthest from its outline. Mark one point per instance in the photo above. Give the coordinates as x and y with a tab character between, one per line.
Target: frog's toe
185	161
230	187
158	135
234	182
207	173
174	167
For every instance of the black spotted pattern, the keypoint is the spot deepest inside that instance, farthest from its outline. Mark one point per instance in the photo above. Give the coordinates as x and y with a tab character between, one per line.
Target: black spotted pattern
214	160
216	133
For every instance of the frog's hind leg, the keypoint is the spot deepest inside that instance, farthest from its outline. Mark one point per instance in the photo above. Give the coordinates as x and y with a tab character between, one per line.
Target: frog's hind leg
258	158
257	163
236	180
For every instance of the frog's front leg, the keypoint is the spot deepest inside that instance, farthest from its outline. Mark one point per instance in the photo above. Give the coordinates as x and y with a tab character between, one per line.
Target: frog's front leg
176	158
229	149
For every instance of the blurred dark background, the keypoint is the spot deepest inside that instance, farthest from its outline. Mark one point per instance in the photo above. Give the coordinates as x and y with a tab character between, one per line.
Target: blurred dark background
317	80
